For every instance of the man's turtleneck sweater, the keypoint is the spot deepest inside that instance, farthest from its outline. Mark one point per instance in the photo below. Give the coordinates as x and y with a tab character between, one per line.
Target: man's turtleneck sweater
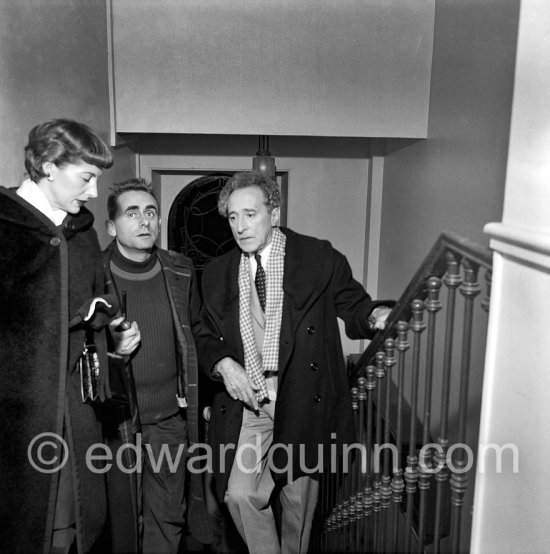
154	364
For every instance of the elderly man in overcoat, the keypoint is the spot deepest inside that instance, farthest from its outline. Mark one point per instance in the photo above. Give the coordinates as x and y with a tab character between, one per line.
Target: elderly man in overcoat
270	338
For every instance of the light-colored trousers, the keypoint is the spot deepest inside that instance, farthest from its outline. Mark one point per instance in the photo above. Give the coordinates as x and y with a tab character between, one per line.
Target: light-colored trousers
251	485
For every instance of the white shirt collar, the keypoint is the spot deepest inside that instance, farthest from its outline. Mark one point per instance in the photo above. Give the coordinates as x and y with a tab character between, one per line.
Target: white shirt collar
31	192
264	254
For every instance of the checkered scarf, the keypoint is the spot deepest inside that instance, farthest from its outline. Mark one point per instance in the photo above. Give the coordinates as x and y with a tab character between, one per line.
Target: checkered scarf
255	364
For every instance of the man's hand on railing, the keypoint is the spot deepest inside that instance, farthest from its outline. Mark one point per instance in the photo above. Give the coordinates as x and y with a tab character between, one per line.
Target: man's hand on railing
378	316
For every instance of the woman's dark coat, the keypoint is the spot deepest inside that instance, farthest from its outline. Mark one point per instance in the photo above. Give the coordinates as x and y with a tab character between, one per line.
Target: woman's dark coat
313	401
46	274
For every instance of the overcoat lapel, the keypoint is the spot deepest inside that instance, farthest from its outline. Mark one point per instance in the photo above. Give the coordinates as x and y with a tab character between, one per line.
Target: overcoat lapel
304	280
229	304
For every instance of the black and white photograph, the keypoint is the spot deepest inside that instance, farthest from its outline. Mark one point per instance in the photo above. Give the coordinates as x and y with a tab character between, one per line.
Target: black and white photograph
274	276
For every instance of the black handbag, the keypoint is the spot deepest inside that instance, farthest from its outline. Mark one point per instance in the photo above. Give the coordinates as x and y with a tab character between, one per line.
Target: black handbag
114	383
89	369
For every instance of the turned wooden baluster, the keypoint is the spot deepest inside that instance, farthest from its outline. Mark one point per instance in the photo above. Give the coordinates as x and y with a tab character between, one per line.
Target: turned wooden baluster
354	472
368	501
459	481
331	495
333	529
336	517
333	518
433	305
361	474
380	373
385	488
328	523
397	484
337	527
322	509
345	500
340	502
352	521
452	280
326	529
326	503
411	472
323	535
345	513
344	534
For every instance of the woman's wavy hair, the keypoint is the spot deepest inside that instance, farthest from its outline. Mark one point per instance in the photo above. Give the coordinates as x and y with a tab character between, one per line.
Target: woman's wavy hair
62	142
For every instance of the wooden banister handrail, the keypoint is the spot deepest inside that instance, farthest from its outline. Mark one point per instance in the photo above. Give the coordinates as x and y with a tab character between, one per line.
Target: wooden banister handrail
410	392
434	265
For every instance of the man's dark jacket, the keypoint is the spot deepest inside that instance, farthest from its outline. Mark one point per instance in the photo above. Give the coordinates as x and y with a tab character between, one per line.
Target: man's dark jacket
313	402
184	303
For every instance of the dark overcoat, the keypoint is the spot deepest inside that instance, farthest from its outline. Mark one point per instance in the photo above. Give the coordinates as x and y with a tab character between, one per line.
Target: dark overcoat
46	274
313	409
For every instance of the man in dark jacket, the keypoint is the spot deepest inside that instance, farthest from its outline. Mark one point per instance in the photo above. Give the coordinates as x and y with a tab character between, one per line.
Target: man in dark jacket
270	335
162	297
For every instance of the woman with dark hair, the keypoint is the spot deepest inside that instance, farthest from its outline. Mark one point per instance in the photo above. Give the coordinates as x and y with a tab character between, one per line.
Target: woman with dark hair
52	491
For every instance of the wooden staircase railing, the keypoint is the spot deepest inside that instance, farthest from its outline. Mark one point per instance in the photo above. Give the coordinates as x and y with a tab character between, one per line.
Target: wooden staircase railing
405	491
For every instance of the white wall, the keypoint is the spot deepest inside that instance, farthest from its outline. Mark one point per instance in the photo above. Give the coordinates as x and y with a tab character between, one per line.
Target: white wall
52	64
455	179
312	67
512	509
